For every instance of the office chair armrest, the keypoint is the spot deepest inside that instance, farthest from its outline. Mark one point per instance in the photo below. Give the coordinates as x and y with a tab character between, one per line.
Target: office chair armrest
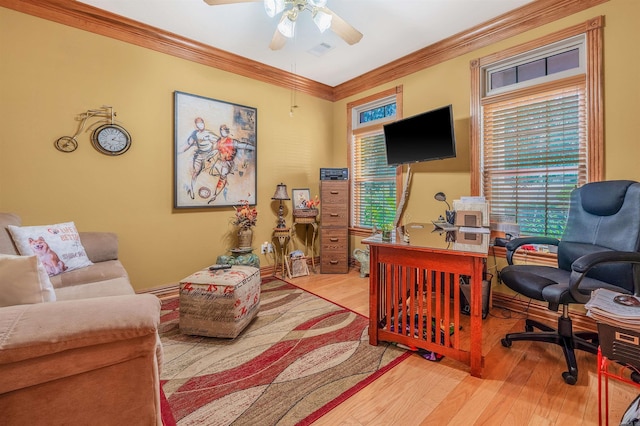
513	245
583	264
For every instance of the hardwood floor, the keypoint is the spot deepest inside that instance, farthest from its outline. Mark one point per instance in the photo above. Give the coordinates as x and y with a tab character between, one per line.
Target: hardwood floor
521	385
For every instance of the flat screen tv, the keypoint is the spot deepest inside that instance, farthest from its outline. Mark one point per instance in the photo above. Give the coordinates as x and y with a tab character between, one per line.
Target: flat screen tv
423	137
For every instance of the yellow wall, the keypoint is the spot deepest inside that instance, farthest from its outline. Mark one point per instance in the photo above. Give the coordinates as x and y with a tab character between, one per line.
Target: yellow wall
450	82
49	73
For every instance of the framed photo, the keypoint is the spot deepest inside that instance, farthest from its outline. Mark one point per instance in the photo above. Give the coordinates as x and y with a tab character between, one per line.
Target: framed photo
299	198
299	267
215	146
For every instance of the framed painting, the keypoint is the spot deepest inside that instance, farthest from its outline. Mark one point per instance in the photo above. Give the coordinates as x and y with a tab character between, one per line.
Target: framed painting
300	197
215	146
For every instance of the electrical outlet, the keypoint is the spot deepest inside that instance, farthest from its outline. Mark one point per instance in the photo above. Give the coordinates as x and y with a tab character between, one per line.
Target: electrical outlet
270	247
263	247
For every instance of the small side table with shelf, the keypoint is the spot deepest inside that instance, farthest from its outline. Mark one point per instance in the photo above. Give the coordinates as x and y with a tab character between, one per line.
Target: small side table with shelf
310	225
620	373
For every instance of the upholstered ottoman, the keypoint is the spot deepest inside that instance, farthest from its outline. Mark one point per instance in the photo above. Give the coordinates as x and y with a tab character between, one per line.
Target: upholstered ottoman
219	303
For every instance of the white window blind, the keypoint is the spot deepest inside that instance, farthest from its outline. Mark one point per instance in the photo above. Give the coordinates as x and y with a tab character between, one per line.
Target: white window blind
534	154
374	182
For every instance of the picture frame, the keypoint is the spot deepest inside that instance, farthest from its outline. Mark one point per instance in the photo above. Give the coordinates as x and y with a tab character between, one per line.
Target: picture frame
299	197
299	267
215	152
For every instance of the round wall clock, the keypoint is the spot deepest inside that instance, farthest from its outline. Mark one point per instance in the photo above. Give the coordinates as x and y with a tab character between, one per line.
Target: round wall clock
111	139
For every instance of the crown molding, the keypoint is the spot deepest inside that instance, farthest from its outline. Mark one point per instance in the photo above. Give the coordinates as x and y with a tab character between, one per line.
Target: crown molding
527	17
88	18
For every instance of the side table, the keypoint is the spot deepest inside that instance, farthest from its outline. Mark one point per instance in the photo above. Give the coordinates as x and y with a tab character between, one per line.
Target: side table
306	222
604	374
281	237
243	256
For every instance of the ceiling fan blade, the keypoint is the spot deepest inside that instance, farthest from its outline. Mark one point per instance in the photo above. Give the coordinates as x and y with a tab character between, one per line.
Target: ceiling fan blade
278	41
217	2
342	28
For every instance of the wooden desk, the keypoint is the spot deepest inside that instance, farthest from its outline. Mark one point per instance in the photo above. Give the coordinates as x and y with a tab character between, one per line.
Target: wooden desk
412	282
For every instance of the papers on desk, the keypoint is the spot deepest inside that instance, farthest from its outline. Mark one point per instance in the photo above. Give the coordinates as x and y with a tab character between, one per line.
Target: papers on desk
603	308
470	199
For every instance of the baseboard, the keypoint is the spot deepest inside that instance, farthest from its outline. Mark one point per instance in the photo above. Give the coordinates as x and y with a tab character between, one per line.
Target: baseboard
538	311
163	292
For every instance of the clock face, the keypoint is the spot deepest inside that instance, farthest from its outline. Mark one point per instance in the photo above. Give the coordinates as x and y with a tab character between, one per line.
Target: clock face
111	139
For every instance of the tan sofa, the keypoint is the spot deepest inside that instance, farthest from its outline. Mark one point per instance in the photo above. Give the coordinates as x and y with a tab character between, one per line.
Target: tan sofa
91	357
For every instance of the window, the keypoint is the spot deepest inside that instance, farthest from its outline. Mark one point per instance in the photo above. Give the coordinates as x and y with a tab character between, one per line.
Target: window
551	62
373	182
538	131
534	155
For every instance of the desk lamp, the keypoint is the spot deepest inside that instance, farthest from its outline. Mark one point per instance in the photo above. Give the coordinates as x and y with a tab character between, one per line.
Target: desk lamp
440	196
281	195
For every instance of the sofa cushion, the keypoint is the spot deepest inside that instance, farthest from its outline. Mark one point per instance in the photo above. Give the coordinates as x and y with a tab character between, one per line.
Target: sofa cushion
111	287
100	246
23	280
57	246
100	271
6	242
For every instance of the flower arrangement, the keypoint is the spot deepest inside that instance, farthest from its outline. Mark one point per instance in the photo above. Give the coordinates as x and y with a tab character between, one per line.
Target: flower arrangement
313	204
246	216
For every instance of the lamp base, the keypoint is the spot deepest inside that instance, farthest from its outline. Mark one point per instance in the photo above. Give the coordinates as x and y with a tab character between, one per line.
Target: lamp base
281	222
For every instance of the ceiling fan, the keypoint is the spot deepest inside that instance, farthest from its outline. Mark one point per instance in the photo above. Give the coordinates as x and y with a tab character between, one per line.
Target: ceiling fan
323	17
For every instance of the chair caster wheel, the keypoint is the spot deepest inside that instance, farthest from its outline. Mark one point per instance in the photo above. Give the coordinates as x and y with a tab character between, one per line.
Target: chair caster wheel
569	378
506	343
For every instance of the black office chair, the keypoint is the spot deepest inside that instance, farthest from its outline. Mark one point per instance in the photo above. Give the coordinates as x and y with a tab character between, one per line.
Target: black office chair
599	249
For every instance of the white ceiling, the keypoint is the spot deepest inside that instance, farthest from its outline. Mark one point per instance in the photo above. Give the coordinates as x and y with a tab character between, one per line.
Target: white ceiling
392	29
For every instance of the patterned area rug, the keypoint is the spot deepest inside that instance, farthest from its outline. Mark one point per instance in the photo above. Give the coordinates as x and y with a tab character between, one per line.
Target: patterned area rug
300	357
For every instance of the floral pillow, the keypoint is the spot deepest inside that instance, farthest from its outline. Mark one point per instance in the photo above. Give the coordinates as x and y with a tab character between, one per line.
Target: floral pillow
58	246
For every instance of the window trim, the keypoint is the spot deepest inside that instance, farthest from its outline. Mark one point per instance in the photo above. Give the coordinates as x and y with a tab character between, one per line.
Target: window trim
593	31
352	130
576	42
359	109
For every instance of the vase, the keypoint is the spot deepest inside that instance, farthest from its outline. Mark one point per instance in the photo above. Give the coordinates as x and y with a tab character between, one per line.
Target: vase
245	236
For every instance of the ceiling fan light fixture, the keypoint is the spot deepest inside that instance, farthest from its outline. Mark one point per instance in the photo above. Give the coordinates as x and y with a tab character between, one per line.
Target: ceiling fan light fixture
273	7
322	20
287	25
318	3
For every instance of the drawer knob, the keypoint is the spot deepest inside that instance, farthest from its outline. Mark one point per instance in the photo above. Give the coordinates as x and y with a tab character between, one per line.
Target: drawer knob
335	192
333	214
333	262
333	240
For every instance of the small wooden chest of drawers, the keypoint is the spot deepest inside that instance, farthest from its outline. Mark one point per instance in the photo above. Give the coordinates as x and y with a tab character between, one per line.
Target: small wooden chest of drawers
334	227
334	254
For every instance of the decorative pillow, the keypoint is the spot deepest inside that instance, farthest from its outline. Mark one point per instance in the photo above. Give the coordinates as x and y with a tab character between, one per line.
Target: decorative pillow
24	280
57	246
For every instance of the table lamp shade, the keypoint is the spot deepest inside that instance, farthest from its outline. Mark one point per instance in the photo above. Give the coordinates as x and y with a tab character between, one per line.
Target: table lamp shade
281	193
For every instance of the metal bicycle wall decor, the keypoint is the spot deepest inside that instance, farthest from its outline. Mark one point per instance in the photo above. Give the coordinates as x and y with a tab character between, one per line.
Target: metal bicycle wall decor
109	138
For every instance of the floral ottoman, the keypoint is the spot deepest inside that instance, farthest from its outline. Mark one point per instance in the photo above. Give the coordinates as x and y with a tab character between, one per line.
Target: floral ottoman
219	303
